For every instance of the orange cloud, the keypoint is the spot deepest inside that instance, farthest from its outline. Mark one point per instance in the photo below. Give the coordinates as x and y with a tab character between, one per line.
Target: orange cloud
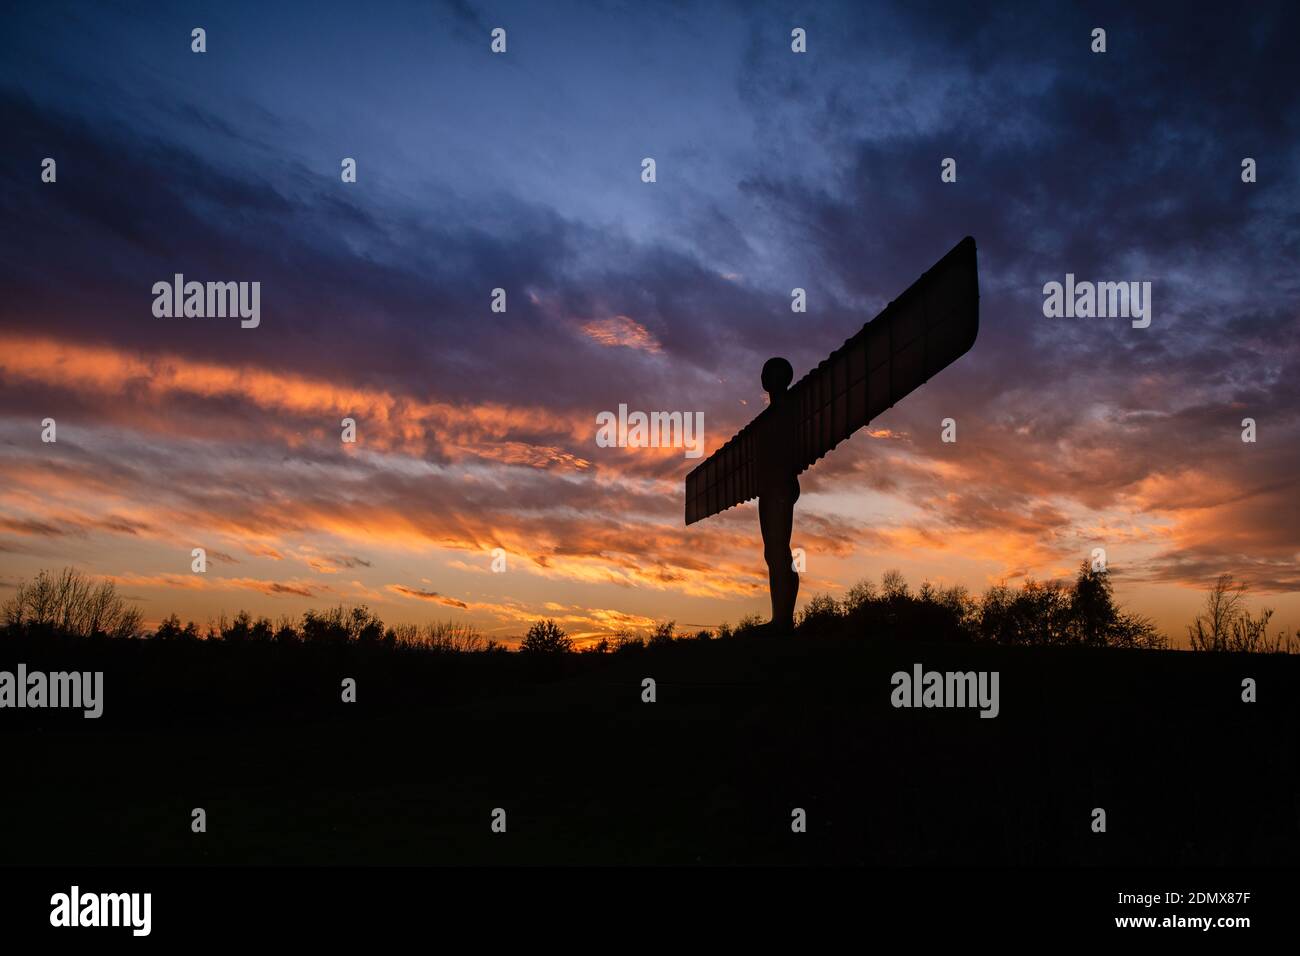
621	331
421	595
490	431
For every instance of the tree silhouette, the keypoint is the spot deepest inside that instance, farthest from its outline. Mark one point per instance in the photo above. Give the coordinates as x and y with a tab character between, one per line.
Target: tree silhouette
663	634
1226	624
68	603
546	637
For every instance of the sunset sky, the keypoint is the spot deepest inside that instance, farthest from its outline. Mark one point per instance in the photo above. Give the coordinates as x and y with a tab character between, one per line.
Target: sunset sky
476	429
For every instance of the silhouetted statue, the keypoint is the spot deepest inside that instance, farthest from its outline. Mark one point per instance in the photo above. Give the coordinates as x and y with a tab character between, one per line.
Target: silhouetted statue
778	487
919	334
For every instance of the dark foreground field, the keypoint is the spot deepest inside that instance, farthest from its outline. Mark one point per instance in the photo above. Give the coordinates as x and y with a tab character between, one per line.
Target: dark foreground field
744	730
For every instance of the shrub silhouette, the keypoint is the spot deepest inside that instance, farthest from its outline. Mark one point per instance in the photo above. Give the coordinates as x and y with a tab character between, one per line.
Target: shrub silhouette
1227	625
627	643
237	631
445	637
286	631
339	625
822	613
662	634
546	637
170	630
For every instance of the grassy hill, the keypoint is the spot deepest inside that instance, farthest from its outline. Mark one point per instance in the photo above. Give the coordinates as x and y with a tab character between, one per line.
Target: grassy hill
743	731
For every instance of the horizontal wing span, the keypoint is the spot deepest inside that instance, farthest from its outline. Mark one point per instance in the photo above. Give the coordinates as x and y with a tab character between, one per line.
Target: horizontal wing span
919	334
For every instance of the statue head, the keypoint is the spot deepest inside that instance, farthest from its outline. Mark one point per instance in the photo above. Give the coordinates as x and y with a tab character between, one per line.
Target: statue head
777	376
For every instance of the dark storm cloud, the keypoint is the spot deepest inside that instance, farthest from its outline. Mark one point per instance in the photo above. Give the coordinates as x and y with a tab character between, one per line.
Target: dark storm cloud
414	309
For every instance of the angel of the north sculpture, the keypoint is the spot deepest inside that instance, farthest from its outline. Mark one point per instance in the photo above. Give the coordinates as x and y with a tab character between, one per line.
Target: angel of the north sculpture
919	334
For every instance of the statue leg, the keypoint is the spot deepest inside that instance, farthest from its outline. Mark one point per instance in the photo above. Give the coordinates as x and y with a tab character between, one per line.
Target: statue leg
791	591
776	521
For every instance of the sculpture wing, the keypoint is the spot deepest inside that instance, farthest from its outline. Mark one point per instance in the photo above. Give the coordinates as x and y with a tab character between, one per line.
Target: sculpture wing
923	331
726	478
918	335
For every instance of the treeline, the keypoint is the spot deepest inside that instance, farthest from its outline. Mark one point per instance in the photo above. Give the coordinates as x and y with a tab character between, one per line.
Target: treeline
1082	613
69	603
336	626
1052	613
1039	613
